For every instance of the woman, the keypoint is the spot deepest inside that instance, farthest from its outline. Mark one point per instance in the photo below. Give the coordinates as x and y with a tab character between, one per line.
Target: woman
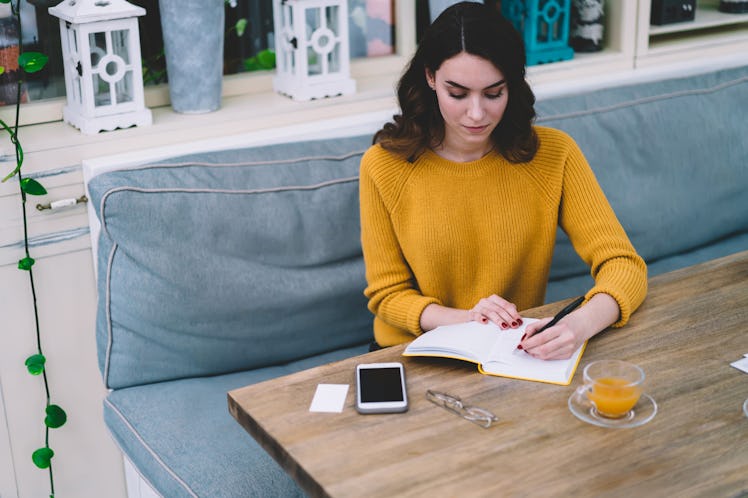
461	196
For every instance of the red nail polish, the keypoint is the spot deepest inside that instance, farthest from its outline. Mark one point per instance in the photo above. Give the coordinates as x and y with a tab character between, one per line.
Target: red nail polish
504	325
519	321
483	319
523	337
514	324
519	346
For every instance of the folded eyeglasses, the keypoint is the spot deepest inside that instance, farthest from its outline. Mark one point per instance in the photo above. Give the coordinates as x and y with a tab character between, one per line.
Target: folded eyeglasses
478	416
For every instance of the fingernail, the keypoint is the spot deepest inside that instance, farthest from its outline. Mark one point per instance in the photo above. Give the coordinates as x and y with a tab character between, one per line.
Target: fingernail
504	325
519	321
514	324
523	337
519	346
483	319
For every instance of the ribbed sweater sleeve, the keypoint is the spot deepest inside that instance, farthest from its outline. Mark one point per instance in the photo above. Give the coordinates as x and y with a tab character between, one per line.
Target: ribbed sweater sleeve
392	291
598	237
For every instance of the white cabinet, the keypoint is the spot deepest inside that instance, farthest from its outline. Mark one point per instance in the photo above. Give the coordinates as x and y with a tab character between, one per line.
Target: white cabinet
86	462
631	42
7	474
711	34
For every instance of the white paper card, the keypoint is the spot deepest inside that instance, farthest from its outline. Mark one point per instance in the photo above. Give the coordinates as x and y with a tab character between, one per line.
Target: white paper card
329	398
741	364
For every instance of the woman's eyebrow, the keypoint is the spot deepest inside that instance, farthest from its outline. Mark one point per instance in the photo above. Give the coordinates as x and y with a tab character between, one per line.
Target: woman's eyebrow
493	85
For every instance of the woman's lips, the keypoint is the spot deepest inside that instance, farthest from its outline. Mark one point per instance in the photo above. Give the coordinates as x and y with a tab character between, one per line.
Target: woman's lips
476	129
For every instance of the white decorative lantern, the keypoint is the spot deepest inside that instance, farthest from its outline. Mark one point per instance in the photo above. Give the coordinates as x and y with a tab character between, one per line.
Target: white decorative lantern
311	49
103	73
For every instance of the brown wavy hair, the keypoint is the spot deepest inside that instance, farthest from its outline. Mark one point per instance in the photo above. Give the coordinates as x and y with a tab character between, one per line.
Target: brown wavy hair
478	30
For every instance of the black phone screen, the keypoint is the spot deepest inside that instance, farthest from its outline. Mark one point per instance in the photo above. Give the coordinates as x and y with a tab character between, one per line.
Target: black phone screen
380	384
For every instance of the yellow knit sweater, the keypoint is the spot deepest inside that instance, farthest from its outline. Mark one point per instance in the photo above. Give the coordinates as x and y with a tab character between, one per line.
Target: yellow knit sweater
437	231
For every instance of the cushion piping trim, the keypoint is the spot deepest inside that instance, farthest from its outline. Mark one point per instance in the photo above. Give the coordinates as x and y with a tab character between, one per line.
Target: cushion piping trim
108	314
251	163
645	100
105	197
150	450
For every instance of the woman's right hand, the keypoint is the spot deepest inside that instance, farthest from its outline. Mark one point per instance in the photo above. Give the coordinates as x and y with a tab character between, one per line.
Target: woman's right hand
497	310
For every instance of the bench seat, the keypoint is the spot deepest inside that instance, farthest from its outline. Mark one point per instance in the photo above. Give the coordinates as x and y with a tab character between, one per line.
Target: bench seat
222	269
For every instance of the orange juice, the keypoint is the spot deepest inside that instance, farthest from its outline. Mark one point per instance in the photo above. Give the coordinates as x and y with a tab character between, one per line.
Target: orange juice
613	397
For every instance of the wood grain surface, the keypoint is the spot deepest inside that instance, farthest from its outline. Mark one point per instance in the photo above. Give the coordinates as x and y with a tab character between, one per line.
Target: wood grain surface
691	326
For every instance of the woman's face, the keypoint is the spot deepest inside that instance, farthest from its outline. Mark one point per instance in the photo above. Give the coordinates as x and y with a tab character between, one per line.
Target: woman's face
472	96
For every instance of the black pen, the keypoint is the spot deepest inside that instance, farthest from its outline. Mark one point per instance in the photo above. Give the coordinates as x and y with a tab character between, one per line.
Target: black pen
571	307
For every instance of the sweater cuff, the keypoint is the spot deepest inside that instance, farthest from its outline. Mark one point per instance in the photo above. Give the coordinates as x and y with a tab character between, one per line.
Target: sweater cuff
415	312
624	303
626	284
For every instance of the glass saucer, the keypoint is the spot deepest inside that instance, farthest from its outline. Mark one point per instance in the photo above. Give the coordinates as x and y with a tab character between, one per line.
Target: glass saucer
643	412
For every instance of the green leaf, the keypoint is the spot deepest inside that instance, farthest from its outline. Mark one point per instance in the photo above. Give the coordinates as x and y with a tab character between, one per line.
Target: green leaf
251	64
32	187
2	68
241	26
26	263
35	364
42	457
266	58
56	417
32	62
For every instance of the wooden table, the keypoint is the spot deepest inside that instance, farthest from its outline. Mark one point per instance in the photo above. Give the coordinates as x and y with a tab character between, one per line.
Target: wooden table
693	323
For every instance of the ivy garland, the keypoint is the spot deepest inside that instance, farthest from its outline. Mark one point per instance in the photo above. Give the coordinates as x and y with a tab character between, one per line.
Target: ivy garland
32	62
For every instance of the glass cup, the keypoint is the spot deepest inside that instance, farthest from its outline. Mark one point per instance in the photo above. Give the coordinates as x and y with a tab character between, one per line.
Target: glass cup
613	387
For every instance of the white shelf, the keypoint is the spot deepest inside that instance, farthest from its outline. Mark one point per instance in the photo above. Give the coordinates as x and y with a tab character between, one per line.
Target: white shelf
707	16
711	34
699	40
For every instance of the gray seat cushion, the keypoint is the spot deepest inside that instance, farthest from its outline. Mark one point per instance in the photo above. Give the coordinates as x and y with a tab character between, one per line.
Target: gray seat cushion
182	439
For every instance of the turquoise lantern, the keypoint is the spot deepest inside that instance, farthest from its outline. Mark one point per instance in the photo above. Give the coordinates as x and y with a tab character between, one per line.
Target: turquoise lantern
544	25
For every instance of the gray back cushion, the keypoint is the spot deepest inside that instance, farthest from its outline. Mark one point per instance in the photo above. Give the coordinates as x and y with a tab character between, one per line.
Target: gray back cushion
672	157
232	260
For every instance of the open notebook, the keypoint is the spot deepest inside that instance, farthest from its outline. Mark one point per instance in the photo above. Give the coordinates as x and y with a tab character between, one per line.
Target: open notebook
494	350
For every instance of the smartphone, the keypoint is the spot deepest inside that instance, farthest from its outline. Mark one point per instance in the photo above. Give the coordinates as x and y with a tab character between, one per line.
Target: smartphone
380	388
